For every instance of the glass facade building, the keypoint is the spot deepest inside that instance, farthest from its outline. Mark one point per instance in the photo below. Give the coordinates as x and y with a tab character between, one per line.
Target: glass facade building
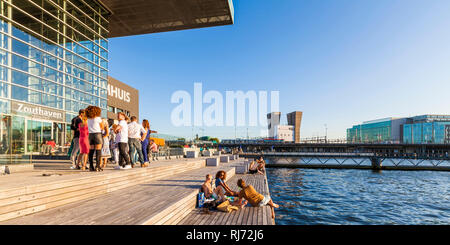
370	132
425	129
53	62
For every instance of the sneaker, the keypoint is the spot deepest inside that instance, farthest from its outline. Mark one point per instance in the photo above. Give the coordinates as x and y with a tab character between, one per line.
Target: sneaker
118	167
72	167
127	167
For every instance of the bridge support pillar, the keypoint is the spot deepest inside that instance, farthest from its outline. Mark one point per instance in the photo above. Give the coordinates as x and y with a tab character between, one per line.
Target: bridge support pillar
376	163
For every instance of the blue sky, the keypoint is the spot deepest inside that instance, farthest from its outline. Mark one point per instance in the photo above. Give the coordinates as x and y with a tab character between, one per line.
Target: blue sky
341	62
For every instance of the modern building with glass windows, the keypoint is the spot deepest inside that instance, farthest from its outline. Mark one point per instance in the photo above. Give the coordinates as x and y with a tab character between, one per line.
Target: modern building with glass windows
433	129
427	129
54	60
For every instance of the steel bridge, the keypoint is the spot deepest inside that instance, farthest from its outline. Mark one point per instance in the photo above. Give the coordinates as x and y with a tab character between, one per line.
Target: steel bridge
430	151
350	161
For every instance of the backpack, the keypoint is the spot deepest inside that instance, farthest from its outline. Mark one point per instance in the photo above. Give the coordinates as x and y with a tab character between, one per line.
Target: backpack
200	200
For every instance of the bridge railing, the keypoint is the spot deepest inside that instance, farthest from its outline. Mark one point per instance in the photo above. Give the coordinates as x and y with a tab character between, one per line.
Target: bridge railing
352	154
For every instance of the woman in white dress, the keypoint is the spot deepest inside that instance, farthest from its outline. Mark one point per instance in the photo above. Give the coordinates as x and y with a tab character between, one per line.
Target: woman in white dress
106	152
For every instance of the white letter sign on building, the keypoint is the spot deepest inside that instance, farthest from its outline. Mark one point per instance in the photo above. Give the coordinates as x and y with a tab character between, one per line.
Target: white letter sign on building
36	111
118	93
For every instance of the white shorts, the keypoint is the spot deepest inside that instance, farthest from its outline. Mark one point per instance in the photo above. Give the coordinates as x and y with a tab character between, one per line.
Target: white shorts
264	201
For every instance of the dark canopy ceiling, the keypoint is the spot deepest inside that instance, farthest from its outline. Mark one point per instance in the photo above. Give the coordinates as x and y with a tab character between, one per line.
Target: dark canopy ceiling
133	17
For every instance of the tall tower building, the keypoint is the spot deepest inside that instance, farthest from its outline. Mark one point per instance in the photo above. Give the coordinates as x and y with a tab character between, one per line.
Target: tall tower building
273	120
295	119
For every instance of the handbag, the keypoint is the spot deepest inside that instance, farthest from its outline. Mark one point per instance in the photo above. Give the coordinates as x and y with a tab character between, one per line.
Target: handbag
226	207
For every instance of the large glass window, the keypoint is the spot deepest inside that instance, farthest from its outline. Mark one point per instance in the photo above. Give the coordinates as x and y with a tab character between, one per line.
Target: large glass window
34	136
18	135
417	133
5	135
428	132
407	134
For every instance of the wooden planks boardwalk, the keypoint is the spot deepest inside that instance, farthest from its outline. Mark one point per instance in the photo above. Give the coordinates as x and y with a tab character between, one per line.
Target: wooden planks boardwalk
164	194
60	171
246	216
29	193
163	201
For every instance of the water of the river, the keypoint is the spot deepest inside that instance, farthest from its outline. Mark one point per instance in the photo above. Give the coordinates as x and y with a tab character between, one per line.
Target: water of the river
360	197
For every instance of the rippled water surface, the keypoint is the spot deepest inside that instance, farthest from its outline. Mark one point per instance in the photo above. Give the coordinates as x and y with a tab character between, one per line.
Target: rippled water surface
360	197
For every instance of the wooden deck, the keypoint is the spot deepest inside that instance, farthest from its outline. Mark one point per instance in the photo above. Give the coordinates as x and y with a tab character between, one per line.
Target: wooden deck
163	194
163	201
60	171
28	193
246	216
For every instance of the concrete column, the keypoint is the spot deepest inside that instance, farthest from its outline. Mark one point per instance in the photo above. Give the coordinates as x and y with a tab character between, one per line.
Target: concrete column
377	164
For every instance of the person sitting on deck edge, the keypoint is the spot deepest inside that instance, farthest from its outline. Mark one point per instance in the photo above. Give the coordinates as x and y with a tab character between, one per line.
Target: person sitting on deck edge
208	189
254	198
253	169
261	164
221	176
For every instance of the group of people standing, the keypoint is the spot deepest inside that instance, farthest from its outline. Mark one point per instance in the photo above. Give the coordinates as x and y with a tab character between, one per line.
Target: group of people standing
94	136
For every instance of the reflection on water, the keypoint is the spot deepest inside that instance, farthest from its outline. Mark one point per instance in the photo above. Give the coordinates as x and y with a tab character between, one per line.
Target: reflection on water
360	197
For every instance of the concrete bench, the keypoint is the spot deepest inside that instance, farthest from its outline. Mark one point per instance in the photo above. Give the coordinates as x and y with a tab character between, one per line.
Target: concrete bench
242	169
212	162
225	159
192	154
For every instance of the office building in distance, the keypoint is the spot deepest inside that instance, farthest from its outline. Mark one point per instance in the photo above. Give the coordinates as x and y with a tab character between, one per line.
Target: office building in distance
285	133
295	120
425	129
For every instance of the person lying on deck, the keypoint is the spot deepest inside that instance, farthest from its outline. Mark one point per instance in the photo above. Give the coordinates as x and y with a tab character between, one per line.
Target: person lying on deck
221	176
254	198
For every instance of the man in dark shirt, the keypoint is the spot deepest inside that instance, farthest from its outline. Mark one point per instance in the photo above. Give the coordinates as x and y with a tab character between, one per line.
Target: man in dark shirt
76	138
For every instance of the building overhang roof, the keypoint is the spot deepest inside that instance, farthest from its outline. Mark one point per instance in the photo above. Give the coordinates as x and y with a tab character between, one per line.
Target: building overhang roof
134	17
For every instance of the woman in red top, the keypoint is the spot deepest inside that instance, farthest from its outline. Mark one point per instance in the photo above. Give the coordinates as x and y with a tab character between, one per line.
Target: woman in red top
84	142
